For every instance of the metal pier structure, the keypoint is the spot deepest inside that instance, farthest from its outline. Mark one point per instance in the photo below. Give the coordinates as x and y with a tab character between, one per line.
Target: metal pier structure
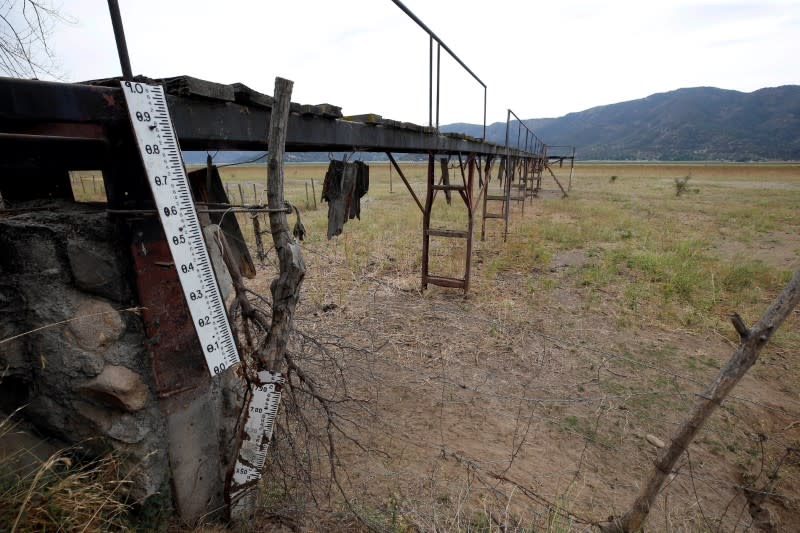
48	129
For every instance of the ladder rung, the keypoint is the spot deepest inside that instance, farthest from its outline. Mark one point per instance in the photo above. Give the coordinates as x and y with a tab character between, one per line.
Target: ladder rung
447	233
496	197
445	282
449	188
492	215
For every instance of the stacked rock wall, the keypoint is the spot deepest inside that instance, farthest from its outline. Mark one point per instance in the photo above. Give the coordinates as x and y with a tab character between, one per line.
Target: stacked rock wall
87	377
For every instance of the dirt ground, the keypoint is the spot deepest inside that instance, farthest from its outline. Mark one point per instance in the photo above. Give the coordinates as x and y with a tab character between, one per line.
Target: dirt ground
538	400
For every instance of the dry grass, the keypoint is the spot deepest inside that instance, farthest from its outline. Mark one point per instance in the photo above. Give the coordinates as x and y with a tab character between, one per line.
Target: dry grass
61	493
618	296
622	266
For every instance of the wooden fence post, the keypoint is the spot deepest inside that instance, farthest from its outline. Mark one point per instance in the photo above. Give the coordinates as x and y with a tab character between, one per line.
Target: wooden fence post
286	287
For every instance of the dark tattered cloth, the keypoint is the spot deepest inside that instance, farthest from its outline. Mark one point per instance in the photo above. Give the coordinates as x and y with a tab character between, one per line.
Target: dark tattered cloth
344	186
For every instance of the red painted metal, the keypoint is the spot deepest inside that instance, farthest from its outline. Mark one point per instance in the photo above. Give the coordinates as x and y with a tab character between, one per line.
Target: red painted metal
178	364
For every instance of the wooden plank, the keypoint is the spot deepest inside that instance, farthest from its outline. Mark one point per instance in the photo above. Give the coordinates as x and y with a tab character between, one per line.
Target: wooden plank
369	118
437	232
247	96
189	86
442	281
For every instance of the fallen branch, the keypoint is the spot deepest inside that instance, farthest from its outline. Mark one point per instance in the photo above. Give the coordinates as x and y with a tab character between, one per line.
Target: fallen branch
751	342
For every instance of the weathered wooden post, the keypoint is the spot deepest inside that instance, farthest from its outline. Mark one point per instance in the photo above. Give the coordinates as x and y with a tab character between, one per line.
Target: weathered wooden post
285	289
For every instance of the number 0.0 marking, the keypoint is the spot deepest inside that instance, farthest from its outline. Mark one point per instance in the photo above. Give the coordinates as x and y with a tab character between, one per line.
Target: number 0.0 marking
158	146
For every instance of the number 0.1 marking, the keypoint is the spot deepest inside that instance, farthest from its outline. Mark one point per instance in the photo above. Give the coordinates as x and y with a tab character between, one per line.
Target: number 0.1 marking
158	146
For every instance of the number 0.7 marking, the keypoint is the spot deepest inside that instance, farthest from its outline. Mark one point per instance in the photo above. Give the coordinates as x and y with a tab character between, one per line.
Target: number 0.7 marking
166	176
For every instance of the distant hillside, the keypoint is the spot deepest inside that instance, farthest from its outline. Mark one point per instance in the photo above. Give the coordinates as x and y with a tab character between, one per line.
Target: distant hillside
702	123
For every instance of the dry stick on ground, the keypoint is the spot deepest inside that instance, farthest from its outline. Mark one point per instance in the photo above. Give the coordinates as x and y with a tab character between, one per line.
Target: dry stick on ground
286	287
751	342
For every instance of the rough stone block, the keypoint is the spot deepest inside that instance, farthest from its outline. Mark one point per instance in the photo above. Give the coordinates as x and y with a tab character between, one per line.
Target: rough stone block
98	325
95	270
118	387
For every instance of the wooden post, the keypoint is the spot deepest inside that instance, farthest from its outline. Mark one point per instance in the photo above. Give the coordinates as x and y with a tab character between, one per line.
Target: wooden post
255	194
259	241
286	287
571	168
751	342
445	179
307	202
486	182
390	179
313	194
426	218
241	193
471	218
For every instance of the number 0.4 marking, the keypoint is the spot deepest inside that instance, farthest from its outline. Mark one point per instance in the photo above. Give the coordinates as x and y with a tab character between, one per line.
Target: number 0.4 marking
158	146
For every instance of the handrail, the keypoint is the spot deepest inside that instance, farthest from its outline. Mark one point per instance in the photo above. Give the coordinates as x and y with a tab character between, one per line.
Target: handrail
422	25
440	44
535	142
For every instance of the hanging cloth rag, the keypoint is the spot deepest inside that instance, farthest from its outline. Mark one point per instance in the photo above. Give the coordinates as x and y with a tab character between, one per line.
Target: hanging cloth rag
361	188
344	186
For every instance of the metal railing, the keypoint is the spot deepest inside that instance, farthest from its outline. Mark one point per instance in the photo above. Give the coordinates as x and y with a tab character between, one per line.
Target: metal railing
561	151
531	143
439	45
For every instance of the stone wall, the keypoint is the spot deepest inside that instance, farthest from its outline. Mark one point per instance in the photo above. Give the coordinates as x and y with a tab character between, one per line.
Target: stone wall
89	376
87	381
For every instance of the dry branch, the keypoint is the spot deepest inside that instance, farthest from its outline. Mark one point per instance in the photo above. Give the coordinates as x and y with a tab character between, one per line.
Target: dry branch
752	341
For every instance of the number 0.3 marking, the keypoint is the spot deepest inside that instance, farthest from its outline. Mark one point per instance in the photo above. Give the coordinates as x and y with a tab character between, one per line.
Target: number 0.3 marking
166	176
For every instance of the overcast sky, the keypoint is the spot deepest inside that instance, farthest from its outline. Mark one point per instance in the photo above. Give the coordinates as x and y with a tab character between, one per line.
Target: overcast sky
541	59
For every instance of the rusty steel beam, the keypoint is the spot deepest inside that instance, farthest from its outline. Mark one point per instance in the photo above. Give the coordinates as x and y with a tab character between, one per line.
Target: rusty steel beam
403	177
26	151
206	124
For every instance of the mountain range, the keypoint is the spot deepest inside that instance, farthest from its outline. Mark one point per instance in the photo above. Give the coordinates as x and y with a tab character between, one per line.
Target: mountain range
694	124
701	123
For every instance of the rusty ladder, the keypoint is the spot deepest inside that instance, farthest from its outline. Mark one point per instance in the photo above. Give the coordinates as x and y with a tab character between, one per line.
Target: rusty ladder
464	190
508	169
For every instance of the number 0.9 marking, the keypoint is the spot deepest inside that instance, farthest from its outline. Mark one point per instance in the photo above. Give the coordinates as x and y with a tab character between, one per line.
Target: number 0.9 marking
163	165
